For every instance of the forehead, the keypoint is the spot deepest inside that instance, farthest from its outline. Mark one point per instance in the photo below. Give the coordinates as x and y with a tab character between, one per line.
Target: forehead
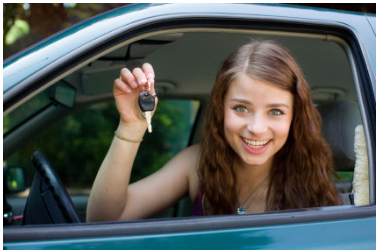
249	88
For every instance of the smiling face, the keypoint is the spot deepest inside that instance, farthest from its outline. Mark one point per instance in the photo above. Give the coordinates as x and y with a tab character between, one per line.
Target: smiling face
257	119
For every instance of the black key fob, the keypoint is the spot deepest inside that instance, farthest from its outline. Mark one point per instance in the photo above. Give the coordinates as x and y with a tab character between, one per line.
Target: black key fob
146	101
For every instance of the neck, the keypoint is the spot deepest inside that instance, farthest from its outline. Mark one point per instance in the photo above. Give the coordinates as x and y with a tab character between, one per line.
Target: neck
249	177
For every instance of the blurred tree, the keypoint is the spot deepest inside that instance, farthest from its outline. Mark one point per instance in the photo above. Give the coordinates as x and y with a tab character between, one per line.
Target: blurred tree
10	14
44	20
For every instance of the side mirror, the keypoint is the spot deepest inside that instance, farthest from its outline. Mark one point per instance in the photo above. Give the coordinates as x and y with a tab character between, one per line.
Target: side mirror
14	179
63	94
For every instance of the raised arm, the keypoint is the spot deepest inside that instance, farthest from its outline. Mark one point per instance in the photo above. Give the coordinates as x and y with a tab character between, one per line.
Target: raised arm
111	197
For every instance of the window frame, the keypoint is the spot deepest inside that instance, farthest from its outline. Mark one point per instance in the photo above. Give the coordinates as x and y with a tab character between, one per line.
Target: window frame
185	224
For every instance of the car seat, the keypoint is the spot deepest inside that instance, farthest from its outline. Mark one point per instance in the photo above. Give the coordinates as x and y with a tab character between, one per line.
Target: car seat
340	118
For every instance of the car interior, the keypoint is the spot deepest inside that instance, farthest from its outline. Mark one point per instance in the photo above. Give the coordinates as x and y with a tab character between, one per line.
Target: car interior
185	62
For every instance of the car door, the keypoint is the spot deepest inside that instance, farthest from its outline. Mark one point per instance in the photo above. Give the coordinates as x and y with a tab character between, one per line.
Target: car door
301	29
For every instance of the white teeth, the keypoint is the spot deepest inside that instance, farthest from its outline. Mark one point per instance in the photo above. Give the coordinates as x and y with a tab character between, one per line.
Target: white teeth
255	144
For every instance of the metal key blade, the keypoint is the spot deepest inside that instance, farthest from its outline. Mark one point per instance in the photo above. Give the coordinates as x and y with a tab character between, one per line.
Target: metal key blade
148	120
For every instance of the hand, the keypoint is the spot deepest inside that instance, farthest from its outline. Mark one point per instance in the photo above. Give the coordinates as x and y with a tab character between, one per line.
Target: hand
127	89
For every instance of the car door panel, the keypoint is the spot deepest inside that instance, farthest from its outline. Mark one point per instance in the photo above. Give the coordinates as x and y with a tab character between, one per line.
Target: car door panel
355	233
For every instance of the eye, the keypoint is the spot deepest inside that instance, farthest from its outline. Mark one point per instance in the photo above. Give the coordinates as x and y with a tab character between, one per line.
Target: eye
240	109
275	112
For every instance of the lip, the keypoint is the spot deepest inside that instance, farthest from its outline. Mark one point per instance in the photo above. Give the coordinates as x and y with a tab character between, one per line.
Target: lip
256	150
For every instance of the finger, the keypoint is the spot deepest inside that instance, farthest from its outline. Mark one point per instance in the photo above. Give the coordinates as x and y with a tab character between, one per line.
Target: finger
120	85
140	76
128	78
149	71
155	102
154	93
152	87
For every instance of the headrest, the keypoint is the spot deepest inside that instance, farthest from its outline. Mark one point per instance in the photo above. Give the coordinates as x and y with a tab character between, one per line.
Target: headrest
339	121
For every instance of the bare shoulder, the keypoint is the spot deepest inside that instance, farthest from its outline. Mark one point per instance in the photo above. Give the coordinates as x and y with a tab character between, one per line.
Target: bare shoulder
184	163
189	158
192	151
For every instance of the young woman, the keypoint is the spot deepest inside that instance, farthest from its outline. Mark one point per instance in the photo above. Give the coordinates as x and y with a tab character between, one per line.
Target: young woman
262	148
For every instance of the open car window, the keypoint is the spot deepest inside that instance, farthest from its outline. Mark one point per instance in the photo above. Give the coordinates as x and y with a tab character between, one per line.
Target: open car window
78	144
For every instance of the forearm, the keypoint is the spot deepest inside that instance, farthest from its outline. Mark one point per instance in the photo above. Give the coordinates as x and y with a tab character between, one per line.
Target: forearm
108	196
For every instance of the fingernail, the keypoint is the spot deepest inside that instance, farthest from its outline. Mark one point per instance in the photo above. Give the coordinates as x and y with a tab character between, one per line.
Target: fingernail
150	76
142	81
134	84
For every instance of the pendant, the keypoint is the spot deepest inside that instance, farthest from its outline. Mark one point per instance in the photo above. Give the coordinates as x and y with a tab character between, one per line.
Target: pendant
241	210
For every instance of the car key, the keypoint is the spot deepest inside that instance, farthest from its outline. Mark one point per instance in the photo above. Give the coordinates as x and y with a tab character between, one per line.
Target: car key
146	102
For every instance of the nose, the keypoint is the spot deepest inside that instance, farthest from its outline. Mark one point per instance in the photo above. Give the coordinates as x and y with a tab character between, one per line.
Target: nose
257	124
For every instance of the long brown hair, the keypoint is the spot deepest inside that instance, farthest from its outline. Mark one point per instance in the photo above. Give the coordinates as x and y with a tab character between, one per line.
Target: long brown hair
302	171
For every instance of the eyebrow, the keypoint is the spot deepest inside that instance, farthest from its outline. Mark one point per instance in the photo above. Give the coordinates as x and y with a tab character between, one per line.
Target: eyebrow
274	105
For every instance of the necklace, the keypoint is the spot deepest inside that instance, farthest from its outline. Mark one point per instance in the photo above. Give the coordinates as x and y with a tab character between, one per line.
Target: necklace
242	210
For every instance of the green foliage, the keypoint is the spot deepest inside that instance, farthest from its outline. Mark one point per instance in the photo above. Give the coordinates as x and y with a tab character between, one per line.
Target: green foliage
17	31
171	131
345	176
10	15
25	24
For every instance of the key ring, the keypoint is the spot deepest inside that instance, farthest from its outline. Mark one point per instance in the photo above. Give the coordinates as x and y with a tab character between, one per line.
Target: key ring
149	87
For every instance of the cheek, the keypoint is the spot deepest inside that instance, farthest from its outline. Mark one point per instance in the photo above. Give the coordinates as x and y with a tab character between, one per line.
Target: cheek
232	122
282	129
227	126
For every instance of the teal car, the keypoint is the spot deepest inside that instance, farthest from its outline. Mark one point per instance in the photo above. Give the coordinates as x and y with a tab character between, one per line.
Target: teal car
58	109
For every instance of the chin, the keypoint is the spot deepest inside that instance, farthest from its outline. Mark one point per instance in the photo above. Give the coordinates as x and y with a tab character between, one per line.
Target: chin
255	161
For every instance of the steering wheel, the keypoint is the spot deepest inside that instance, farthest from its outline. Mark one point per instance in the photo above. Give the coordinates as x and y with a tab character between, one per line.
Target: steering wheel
48	201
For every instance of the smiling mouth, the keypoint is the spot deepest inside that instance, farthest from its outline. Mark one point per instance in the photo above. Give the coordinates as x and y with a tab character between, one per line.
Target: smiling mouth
255	144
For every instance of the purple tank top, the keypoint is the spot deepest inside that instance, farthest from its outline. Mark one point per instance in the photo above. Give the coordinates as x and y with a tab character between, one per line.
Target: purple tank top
197	208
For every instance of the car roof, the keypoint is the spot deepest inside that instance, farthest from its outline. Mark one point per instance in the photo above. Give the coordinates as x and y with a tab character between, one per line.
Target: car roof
102	27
